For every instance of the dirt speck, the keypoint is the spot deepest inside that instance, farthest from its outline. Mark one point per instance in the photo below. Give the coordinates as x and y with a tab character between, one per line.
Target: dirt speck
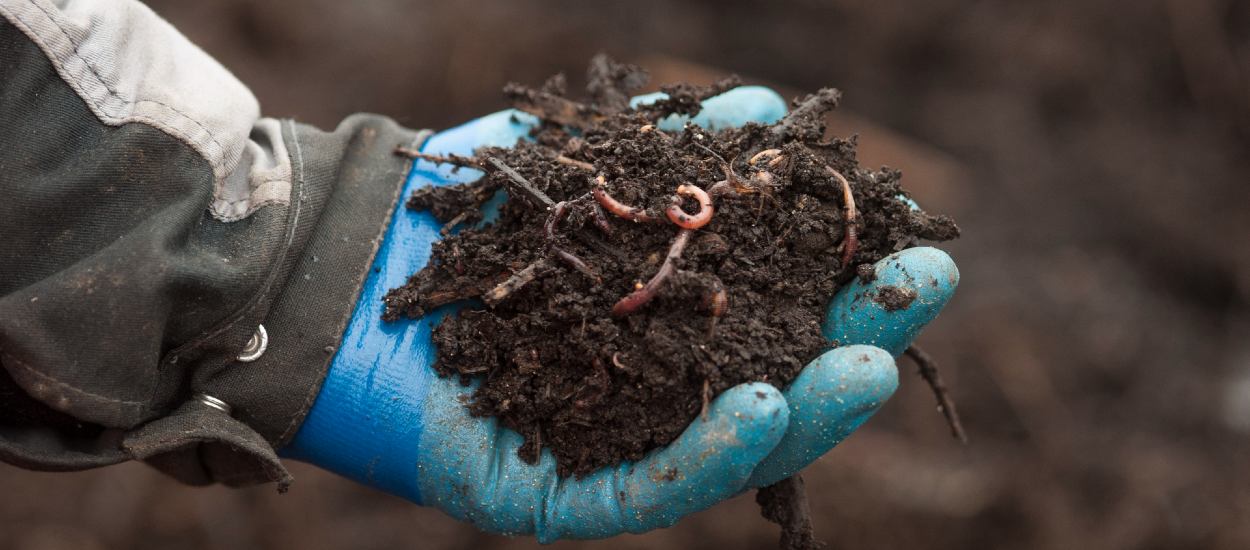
894	298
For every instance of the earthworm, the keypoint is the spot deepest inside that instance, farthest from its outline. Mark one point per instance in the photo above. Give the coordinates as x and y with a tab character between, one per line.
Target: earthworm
770	153
687	221
601	219
716	300
640	297
851	241
722	187
614	206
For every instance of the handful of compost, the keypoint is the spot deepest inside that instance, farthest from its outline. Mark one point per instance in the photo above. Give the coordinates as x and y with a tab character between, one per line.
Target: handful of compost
638	267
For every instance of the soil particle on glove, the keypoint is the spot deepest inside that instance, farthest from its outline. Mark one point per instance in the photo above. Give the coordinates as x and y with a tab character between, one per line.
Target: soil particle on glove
894	298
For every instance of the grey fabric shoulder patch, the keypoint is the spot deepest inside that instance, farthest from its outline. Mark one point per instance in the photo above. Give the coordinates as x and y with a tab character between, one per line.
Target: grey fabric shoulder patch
131	66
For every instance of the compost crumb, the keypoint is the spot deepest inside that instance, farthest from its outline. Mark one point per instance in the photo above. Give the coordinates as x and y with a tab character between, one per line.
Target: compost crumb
577	343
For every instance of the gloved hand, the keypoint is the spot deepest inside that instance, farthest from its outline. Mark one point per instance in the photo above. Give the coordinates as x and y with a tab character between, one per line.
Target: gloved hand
384	418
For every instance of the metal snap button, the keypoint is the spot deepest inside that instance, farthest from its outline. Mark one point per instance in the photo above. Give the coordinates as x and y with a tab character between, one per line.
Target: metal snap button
256	346
213	402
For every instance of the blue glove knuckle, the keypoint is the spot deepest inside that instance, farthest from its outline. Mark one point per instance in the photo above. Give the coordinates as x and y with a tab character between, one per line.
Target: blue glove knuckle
731	109
908	291
828	401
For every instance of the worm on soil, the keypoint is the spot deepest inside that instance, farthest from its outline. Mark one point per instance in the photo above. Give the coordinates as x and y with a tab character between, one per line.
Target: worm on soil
687	221
622	210
640	297
851	241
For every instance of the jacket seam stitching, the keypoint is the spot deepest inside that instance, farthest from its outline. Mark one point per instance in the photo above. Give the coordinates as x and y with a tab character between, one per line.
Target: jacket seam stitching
137	405
299	167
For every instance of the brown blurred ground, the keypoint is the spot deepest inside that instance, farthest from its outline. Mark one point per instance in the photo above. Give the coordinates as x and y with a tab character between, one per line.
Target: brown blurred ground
1095	153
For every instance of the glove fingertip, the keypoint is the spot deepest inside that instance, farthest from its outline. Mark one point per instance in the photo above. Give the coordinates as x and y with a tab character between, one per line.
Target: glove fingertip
755	414
907	290
828	401
867	374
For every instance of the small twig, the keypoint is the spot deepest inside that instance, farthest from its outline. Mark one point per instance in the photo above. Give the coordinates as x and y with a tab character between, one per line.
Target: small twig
515	282
640	297
707	398
928	370
551	107
558	212
574	162
521	182
851	241
457	160
447	227
680	218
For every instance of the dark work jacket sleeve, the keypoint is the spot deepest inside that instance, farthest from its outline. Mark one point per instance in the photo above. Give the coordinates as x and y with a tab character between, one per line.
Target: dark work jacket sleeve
151	222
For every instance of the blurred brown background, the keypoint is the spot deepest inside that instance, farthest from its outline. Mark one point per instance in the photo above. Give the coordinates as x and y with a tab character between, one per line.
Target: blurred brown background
1094	152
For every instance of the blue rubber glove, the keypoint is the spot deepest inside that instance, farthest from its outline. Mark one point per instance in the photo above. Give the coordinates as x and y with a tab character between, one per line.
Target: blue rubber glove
384	418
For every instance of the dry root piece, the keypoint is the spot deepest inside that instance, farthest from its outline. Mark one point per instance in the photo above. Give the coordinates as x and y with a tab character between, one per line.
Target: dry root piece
521	183
575	163
785	503
928	370
553	108
519	279
457	160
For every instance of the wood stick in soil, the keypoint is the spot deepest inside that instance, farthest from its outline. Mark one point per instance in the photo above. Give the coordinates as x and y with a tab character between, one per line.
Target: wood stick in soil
576	163
521	182
553	108
928	370
515	282
453	159
558	212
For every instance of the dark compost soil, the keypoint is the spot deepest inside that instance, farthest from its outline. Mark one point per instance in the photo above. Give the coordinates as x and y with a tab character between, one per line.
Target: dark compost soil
613	312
